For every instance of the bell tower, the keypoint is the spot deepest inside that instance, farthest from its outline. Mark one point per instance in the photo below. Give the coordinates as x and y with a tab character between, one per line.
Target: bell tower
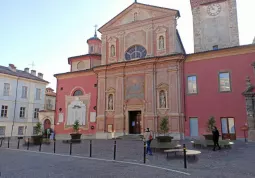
215	24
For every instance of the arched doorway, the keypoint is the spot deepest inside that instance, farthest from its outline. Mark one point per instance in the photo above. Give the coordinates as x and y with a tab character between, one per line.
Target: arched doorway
47	124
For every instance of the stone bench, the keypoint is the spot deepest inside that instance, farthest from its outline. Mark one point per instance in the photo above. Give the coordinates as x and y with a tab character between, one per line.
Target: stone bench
206	143
188	152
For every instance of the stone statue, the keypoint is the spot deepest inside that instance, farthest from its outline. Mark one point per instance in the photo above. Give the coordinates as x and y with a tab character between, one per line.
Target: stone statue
110	102
162	99
161	42
112	51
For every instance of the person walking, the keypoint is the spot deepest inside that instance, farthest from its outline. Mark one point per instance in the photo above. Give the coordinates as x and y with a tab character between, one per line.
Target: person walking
216	136
148	138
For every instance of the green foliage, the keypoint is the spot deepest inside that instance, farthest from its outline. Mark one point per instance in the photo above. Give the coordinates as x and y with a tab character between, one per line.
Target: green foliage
210	124
164	125
38	128
76	126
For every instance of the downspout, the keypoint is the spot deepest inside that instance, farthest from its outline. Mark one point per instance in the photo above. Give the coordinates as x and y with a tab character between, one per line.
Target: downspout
97	91
155	95
15	105
105	85
124	98
184	96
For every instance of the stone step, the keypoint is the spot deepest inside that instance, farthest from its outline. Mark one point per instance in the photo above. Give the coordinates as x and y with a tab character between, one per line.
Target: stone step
130	137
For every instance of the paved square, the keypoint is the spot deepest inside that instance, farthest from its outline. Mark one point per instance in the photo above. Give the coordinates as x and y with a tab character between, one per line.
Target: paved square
235	163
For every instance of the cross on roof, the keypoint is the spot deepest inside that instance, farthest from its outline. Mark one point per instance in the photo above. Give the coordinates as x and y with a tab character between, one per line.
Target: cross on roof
95	30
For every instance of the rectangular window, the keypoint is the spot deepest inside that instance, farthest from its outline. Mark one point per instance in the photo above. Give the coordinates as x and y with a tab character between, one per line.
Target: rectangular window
6	89
2	130
36	113
34	130
21	130
24	92
22	112
224	81
4	111
192	84
38	94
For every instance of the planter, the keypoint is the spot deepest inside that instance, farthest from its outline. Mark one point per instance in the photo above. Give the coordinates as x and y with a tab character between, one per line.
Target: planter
36	139
208	136
164	138
76	137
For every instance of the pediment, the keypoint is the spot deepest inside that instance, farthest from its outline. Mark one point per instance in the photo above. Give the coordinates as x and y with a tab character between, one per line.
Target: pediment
110	90
142	11
162	86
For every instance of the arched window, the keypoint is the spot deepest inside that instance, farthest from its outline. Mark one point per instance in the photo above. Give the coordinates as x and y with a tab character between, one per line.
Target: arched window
161	42
78	93
112	50
80	65
135	52
135	16
91	49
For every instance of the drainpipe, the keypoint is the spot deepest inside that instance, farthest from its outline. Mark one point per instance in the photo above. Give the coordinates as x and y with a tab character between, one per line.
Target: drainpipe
97	91
124	98
105	85
15	105
154	88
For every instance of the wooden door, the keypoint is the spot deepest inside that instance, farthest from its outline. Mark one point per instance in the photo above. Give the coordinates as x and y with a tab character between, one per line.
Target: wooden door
138	124
228	128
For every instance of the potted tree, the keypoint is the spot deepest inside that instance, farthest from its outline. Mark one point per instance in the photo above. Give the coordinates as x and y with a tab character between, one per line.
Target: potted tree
164	128
209	126
76	136
38	134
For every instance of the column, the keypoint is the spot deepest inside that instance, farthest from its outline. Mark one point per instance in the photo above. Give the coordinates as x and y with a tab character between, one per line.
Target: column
103	47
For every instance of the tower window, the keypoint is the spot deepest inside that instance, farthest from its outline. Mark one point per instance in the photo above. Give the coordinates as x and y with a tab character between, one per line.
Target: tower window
215	47
135	16
91	49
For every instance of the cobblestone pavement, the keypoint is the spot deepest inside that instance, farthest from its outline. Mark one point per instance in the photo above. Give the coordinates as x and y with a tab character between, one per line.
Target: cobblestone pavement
236	162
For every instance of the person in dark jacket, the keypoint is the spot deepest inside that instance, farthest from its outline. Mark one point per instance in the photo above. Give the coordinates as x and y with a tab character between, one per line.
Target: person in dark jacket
216	136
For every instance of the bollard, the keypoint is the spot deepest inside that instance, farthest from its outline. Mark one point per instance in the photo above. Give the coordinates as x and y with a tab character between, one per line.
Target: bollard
90	148
40	146
18	143
71	147
54	145
184	156
8	142
114	151
28	144
144	152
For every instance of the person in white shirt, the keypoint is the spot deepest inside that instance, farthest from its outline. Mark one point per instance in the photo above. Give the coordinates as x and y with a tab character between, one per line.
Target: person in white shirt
148	138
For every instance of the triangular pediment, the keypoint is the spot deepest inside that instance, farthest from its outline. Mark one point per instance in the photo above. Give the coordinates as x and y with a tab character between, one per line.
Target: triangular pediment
142	11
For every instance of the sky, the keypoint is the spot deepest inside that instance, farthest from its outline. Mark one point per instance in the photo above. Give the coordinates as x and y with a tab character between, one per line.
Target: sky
47	32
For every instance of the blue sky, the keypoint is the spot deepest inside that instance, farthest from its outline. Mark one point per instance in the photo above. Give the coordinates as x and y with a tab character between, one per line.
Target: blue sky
49	31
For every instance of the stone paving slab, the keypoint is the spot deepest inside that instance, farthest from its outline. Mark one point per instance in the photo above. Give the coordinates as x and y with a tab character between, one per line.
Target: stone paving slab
238	161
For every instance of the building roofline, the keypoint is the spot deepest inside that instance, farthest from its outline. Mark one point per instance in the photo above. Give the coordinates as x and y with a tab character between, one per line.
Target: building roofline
92	69
178	12
84	55
222	49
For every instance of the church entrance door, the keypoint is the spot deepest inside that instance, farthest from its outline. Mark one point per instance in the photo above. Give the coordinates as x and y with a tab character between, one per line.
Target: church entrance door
134	122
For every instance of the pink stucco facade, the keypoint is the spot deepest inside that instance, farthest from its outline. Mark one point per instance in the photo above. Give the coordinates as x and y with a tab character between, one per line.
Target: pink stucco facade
67	84
209	101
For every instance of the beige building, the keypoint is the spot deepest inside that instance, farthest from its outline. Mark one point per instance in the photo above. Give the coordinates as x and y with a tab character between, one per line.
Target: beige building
46	116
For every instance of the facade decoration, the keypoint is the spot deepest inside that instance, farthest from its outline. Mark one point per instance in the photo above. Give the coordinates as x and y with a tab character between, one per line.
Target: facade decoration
139	73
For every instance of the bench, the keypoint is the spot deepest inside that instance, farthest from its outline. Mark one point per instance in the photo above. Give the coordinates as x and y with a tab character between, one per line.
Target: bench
188	152
207	143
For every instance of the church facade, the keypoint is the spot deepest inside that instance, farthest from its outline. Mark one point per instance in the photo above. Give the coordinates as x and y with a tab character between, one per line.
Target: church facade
139	73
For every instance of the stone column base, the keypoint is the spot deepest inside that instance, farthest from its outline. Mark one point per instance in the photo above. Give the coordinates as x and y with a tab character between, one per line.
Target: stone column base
251	135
